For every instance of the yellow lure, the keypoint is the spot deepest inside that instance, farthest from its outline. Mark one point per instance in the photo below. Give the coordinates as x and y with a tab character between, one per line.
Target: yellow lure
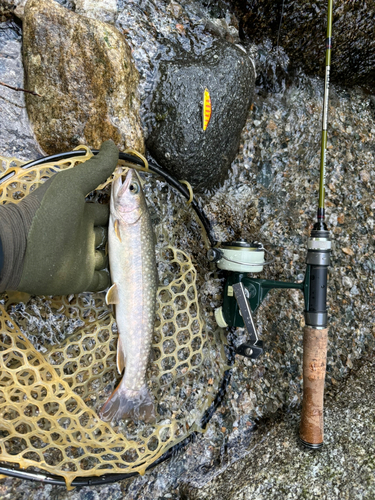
206	108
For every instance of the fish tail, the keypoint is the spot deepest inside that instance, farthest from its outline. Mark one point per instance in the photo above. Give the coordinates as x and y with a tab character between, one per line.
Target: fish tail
126	403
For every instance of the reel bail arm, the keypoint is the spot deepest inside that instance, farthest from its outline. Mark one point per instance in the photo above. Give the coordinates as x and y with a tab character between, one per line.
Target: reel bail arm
254	349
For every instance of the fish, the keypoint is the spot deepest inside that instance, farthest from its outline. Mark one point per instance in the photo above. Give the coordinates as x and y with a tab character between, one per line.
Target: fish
206	116
132	263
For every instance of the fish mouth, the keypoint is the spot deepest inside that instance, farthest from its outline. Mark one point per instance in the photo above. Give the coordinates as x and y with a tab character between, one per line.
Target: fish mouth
122	182
126	179
122	202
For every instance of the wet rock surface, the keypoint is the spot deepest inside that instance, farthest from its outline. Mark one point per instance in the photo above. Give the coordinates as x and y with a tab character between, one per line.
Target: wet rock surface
178	51
178	140
84	73
301	27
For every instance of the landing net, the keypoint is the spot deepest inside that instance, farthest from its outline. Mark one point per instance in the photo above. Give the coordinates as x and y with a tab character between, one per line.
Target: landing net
58	364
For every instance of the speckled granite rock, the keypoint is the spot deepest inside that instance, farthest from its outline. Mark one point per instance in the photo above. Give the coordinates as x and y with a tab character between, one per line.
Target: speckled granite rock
177	139
10	7
84	72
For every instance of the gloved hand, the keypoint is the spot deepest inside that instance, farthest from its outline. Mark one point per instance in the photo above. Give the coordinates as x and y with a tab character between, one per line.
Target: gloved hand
49	238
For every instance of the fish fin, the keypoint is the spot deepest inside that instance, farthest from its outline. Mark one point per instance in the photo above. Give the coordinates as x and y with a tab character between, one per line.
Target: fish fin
126	403
120	358
112	295
117	229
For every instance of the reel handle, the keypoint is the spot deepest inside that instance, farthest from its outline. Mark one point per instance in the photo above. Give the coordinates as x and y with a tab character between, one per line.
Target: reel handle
314	372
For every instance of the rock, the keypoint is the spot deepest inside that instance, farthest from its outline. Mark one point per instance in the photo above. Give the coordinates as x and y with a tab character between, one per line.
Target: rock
347	282
300	28
105	10
16	134
365	176
177	139
13	7
341	218
348	251
84	72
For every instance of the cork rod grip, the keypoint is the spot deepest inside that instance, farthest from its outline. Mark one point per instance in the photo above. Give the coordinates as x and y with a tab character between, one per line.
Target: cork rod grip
314	372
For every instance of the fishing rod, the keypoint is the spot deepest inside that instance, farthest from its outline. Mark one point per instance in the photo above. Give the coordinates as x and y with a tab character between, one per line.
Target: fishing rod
243	293
315	335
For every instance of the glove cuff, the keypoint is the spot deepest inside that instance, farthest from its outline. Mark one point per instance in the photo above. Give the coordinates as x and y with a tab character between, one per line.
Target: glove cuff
15	223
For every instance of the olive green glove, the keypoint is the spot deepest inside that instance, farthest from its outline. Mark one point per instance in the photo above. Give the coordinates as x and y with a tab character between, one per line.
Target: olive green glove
50	238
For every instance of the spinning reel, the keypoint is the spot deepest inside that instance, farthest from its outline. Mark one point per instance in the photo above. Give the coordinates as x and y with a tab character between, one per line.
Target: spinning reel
243	294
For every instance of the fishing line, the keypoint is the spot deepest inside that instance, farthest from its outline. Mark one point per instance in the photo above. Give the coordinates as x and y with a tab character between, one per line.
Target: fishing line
281	20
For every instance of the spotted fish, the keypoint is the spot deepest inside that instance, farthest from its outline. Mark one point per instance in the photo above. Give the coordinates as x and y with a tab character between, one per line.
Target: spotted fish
133	270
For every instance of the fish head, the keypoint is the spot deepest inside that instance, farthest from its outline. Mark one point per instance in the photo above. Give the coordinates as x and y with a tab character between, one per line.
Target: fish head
127	199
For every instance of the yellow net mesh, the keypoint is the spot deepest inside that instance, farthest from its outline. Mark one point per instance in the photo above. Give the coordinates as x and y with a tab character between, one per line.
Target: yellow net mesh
58	366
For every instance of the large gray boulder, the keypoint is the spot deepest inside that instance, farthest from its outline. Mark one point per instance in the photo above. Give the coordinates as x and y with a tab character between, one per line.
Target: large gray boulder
177	139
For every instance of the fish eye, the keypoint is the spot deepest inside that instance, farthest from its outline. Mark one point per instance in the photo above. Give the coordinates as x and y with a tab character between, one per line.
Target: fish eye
134	188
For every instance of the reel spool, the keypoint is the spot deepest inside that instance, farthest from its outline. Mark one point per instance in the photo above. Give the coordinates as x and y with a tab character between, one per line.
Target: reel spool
238	256
50	430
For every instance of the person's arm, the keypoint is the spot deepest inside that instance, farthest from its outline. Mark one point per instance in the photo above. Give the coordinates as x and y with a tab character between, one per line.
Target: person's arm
15	220
50	239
